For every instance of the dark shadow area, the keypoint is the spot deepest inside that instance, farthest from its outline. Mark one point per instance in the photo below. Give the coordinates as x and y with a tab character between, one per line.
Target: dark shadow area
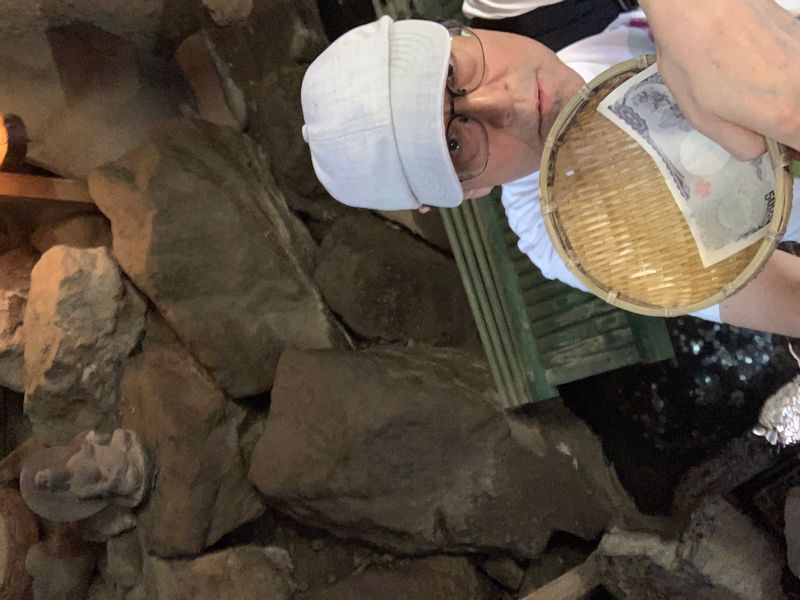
655	421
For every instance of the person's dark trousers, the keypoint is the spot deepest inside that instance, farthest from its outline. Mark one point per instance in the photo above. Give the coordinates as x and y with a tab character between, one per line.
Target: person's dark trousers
561	24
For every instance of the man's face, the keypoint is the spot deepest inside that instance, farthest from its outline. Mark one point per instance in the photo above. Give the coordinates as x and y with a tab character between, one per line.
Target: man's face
524	88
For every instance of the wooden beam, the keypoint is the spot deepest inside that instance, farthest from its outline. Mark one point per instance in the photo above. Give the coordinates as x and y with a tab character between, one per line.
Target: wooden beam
14	185
575	584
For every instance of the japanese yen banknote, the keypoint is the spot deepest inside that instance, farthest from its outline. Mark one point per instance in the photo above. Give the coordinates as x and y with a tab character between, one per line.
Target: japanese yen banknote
726	202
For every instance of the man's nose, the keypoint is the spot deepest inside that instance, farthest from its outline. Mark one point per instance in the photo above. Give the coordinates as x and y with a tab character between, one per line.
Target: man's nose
491	104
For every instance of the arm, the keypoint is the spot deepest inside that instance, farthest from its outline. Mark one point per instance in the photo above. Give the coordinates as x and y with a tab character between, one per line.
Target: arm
771	301
733	68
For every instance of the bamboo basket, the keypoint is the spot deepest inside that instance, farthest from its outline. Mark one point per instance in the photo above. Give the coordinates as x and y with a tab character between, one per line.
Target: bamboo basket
613	220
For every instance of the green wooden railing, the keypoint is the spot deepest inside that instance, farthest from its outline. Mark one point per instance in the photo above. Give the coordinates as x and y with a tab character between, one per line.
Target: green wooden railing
538	333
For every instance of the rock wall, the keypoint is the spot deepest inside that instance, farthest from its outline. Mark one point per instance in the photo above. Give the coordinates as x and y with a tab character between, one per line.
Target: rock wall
135	18
201	228
300	373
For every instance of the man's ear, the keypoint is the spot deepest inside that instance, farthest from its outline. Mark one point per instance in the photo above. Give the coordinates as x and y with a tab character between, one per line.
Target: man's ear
476	192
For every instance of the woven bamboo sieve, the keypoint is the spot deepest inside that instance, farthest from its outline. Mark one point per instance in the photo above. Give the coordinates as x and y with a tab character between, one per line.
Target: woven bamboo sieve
614	222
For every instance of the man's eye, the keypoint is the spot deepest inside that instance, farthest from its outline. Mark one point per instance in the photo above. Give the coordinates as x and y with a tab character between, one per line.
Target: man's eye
453	144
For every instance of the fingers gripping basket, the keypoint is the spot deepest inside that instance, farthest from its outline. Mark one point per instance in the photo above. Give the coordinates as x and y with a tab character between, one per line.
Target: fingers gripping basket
614	222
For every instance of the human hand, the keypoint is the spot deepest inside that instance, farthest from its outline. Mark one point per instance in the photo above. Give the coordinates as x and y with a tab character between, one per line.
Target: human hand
732	66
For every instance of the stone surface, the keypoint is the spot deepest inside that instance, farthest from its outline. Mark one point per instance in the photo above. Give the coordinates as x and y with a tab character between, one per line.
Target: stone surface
721	556
726	548
404	449
82	320
15	276
504	571
240	573
791	515
736	462
225	12
12	234
217	98
234	287
268	59
15	433
550	565
83	231
387	285
320	560
18	532
435	578
11	464
98	590
61	567
428	226
139	19
108	523
122	570
201	491
86	96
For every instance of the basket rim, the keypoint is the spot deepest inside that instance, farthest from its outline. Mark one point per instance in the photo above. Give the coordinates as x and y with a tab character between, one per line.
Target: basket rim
775	231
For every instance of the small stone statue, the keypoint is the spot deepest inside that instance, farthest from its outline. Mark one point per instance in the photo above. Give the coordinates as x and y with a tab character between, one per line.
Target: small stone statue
72	483
105	466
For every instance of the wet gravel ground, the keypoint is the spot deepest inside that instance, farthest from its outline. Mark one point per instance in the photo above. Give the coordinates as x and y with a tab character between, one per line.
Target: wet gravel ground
658	420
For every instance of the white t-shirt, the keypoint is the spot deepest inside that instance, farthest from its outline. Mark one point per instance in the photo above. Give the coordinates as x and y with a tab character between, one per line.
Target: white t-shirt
627	37
500	9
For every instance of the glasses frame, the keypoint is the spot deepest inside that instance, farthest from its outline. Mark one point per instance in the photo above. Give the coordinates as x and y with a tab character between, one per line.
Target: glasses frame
456	30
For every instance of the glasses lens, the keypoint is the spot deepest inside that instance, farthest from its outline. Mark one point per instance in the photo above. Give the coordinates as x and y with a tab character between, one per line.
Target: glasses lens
466	61
469	147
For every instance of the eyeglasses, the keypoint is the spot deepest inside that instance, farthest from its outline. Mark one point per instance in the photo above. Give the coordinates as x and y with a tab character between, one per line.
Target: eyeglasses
467	139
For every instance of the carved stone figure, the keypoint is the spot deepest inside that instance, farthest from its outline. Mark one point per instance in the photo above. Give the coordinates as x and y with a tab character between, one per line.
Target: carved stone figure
72	483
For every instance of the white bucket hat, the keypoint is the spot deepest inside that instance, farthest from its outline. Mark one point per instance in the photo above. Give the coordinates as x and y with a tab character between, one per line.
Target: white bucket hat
373	107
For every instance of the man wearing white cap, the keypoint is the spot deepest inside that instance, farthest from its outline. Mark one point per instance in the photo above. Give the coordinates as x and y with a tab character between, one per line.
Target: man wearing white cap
411	114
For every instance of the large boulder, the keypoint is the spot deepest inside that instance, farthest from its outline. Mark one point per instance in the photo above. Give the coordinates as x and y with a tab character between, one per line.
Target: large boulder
404	448
200	226
15	280
201	490
387	285
82	320
434	578
240	573
80	87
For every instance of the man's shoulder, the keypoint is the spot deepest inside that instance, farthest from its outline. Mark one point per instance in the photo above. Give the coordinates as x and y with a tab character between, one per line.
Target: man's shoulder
525	189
